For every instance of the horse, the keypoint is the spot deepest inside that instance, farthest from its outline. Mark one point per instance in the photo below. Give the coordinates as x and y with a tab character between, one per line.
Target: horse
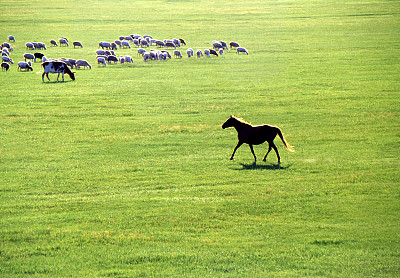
255	135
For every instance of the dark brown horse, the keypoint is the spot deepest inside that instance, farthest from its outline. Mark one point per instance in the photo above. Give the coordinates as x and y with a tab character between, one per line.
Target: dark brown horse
255	135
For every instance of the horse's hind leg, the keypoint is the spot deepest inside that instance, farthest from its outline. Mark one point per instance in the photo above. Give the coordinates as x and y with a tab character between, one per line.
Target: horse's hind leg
277	154
237	146
252	151
269	149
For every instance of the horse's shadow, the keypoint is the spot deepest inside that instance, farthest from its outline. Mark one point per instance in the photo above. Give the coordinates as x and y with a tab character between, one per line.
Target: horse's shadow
255	166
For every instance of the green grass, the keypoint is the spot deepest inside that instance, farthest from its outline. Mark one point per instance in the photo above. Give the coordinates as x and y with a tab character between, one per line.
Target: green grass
125	172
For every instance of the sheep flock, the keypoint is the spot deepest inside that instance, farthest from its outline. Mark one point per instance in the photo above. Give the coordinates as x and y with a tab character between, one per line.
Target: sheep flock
143	47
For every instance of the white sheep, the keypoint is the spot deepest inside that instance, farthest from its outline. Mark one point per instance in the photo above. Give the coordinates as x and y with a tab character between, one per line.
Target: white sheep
53	43
77	44
241	50
221	51
128	59
121	59
24	65
106	45
29	56
101	61
144	43
125	44
11	38
234	44
146	56
141	51
199	53
177	54
7	59
82	63
166	53
189	52
207	52
118	42
30	46
63	41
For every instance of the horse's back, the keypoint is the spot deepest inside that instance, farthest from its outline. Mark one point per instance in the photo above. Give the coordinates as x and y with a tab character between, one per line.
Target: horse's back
258	134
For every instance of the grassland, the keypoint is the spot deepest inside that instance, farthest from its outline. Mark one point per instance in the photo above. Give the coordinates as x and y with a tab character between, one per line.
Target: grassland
125	172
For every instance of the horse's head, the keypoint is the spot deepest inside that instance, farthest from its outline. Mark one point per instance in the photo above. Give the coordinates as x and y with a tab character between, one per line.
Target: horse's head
229	122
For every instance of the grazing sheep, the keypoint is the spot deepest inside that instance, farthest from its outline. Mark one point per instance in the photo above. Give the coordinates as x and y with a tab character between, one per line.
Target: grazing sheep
121	59
125	44
101	61
30	46
223	44
83	63
221	51
5	66
128	38
11	38
77	44
25	66
170	44
63	41
160	43
53	43
39	45
176	42
146	56
7	45
106	45
44	59
199	53
166	53
234	44
147	37
38	55
213	52
189	52
141	51
128	59
118	42
114	46
121	38
144	43
7	59
100	52
136	42
112	58
241	50
207	52
182	41
177	54
217	45
4	52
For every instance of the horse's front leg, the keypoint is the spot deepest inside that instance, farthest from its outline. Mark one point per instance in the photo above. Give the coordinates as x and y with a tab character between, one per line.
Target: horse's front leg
252	151
237	146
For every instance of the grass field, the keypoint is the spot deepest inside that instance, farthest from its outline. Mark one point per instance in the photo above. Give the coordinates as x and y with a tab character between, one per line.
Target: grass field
125	171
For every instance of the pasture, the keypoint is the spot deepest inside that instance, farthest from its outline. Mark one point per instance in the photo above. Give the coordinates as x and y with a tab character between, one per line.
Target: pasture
125	172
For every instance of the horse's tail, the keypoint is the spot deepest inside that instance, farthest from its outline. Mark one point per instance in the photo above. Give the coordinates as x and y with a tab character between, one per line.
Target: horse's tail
288	147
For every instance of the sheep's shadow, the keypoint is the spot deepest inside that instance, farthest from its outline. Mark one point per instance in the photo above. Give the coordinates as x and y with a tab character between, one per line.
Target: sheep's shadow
255	166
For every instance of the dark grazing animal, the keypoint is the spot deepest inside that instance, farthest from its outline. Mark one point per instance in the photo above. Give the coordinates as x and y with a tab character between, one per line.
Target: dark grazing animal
56	67
255	135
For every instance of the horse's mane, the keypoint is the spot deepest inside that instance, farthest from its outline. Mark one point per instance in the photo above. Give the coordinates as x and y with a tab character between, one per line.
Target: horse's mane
240	120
